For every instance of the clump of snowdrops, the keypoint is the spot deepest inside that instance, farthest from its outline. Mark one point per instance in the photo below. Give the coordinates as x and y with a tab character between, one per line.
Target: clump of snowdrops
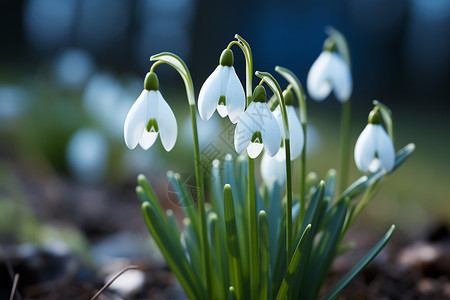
276	239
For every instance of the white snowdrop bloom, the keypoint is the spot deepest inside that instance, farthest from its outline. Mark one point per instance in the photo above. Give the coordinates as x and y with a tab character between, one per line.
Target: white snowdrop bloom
329	72
374	149
87	155
222	91
296	138
273	169
149	116
257	128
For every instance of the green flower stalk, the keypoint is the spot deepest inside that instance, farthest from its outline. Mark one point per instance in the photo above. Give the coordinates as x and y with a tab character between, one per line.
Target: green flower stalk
298	89
179	65
275	87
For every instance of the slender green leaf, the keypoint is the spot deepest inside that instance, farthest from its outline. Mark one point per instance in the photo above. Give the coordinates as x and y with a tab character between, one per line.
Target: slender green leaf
234	258
289	278
220	281
320	263
173	254
185	199
361	265
148	194
314	214
264	255
330	187
403	154
192	246
232	293
371	191
175	231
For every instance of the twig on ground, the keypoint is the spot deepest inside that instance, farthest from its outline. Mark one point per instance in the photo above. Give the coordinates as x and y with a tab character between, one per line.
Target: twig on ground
112	280
14	287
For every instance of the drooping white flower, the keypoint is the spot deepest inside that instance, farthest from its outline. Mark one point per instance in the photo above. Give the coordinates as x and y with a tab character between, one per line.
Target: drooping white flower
296	138
273	169
149	116
330	72
222	91
374	149
257	128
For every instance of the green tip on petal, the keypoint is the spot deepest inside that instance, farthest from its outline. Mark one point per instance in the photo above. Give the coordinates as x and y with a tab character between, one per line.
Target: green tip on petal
152	126
288	97
222	100
259	94
257	138
374	116
329	45
226	58
151	82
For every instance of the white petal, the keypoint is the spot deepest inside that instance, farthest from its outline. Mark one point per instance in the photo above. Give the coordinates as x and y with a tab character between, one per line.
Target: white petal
296	140
273	170
244	129
136	120
222	110
234	97
318	81
281	154
254	149
375	165
279	118
167	123
385	149
270	131
209	94
365	148
147	139
341	77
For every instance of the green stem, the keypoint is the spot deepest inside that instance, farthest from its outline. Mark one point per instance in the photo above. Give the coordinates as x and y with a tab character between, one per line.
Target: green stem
345	145
294	82
253	230
248	66
201	207
289	235
303	177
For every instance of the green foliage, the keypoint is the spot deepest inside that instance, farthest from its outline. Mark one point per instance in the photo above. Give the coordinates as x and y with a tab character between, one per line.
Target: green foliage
318	234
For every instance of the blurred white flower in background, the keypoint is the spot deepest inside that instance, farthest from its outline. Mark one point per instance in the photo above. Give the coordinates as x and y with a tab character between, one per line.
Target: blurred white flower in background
87	155
14	101
73	68
208	131
273	170
329	73
108	102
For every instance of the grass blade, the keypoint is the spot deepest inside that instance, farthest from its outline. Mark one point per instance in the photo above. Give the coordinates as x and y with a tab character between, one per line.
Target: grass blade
232	243
264	255
361	265
173	254
288	278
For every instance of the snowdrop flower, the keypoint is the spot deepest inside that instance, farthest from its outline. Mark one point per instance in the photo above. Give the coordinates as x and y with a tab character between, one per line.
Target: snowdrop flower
148	116
222	91
257	128
374	149
330	72
273	169
296	139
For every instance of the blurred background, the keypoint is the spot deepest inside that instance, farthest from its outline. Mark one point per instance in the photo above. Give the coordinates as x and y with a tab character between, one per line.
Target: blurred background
70	70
